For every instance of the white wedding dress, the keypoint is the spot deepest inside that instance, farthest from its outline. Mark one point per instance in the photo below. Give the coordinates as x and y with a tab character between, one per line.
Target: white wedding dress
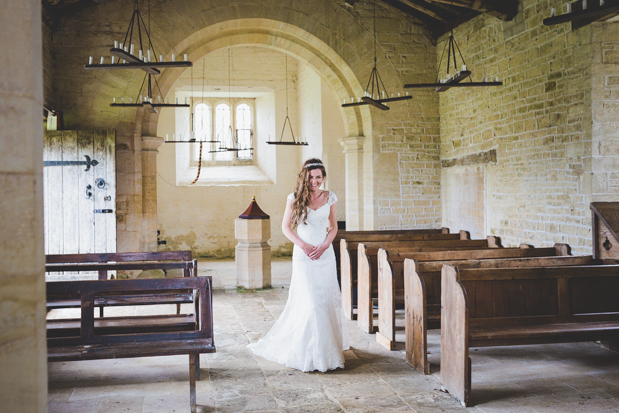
311	333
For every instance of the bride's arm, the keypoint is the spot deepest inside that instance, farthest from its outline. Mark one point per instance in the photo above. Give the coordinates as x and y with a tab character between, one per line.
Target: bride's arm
289	233
319	249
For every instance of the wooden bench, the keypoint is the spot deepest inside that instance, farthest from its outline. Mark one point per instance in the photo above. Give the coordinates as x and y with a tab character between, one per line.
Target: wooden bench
90	338
380	235
421	315
367	268
103	264
518	306
347	257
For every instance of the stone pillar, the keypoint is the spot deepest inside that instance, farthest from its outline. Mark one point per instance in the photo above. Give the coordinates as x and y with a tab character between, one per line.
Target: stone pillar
23	350
253	253
353	159
150	144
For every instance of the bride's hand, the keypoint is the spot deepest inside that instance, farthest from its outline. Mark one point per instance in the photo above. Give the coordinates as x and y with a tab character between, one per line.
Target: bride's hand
308	249
318	250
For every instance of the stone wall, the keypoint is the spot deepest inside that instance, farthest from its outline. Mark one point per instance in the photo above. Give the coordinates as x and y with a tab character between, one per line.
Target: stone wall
23	351
539	122
401	168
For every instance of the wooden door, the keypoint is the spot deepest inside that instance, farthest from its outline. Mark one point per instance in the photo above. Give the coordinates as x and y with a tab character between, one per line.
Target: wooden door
80	204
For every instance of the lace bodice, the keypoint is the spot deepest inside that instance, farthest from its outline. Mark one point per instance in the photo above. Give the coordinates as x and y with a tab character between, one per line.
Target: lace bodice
314	231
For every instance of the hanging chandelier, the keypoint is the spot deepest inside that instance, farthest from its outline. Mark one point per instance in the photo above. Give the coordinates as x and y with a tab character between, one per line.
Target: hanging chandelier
281	140
583	12
455	80
375	92
146	59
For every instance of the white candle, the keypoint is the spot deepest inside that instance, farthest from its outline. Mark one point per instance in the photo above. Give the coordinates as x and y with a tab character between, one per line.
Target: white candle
398	94
552	11
131	100
392	95
584	4
185	56
141	100
344	100
140	54
496	78
177	101
115	44
122	99
172	56
161	58
406	93
125	49
569	7
89	60
132	49
464	68
121	46
148	53
159	98
383	94
166	136
101	60
113	59
113	100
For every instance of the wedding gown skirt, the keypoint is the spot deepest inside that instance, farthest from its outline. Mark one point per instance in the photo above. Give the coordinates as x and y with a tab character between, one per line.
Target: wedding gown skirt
311	333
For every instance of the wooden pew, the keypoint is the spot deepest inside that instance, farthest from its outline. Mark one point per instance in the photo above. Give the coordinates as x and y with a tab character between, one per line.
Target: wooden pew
367	268
347	256
518	306
125	261
89	338
420	315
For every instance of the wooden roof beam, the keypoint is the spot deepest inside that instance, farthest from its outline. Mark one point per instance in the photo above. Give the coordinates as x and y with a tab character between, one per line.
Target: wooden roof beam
501	9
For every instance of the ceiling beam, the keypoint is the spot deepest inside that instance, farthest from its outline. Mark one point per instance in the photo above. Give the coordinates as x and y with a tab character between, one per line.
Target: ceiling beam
501	9
436	26
427	9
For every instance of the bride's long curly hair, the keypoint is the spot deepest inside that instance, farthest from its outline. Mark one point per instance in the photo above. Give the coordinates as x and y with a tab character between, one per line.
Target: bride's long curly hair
302	192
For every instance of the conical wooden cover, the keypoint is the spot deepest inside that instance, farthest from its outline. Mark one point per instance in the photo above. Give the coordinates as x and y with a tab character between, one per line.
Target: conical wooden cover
253	211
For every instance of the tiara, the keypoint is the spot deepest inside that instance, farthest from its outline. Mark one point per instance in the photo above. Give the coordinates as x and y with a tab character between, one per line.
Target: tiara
310	165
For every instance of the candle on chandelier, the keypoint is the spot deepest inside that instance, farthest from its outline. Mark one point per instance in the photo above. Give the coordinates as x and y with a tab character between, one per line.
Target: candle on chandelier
185	56
161	58
464	68
113	59
131	100
113	100
131	49
115	44
177	101
140	55
121	46
167	137
89	60
148	54
101	60
122	99
172	56
552	11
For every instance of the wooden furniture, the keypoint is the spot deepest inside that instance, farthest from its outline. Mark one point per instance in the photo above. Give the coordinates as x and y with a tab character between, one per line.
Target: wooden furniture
125	261
421	314
367	268
605	229
346	254
384	235
88	338
517	306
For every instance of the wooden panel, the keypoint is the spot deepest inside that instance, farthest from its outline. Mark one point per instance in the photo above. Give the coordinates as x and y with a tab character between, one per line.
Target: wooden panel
517	303
70	192
483	298
500	299
416	319
53	194
364	292
110	189
346	280
100	172
86	205
455	368
607	226
386	301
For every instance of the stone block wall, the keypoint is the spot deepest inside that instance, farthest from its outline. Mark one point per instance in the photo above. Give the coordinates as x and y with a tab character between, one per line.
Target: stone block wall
539	122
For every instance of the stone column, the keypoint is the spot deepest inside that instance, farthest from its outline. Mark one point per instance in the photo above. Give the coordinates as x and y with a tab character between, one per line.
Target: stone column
150	144
353	159
253	253
23	350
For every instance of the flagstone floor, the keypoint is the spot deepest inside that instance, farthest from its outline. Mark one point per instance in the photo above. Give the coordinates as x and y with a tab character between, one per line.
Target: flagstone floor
579	377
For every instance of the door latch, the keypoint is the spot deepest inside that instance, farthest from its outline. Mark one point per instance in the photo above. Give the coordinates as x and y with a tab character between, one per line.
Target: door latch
104	211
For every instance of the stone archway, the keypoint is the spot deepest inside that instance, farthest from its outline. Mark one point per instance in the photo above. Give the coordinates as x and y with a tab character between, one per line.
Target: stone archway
306	48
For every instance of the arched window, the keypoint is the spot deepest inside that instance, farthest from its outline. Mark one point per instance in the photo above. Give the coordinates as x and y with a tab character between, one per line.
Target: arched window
223	131
243	120
203	130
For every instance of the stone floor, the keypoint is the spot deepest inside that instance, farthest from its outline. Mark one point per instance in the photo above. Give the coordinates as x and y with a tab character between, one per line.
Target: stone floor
550	378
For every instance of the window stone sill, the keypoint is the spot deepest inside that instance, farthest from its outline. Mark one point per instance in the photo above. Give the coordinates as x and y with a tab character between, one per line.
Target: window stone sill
224	176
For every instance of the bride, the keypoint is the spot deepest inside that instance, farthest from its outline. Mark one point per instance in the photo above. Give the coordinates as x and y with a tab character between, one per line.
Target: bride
311	333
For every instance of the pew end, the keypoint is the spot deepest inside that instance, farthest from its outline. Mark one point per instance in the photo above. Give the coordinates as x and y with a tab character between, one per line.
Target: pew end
416	326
